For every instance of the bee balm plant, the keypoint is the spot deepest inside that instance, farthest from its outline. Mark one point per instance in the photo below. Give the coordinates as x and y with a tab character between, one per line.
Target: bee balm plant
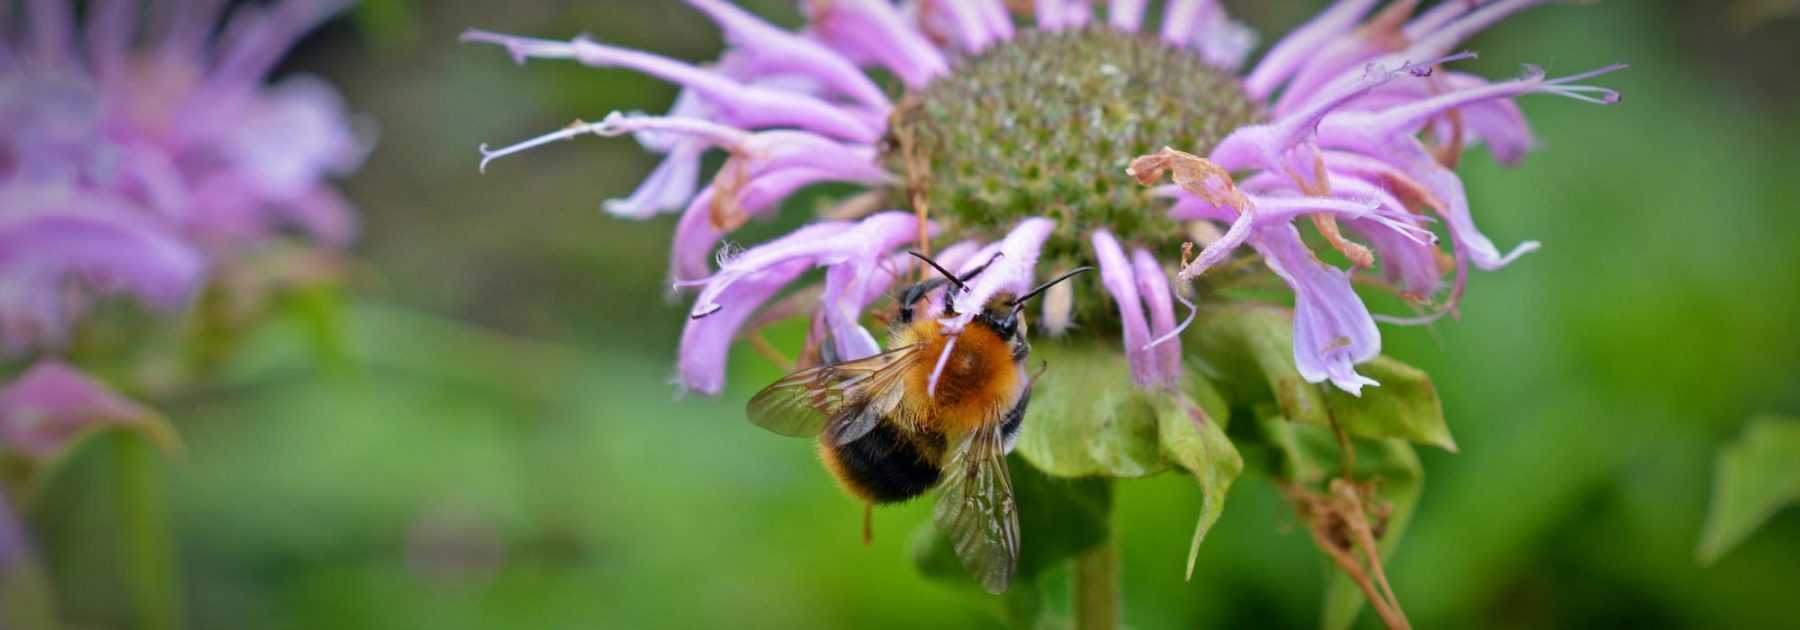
1016	144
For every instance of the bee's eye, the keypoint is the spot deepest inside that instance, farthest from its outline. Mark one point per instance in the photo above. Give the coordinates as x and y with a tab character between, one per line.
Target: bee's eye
1008	328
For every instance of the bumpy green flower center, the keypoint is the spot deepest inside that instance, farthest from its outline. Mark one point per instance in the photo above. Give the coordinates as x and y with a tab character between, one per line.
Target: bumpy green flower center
1045	125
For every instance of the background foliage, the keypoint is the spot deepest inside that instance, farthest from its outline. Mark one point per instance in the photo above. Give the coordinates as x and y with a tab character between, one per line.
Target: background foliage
490	441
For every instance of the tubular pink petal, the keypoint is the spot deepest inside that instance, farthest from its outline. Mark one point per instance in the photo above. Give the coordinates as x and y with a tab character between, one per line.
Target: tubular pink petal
1408	264
257	37
109	31
1224	43
1436	17
1126	15
825	244
848	280
802	244
1120	280
1153	288
51	242
1288	54
1180	17
52	29
705	342
775	50
937	369
993	13
971	27
897	269
874	29
699	231
183	29
668	187
1332	329
1077	13
1048	14
1404	119
748	104
1012	272
1287	144
1407	154
1441	40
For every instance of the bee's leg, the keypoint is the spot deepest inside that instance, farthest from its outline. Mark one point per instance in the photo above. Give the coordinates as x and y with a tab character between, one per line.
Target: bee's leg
911	295
868	523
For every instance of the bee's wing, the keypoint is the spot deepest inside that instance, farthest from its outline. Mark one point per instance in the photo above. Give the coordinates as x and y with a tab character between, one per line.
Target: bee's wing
976	509
851	396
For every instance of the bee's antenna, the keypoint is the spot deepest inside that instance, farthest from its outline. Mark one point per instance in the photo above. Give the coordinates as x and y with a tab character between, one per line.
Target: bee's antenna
947	275
977	271
1019	302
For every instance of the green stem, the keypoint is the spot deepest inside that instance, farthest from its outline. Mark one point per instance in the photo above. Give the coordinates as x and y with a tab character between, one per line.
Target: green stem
1096	587
146	543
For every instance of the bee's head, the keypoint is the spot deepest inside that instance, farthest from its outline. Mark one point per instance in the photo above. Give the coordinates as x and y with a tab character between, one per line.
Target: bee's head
1003	313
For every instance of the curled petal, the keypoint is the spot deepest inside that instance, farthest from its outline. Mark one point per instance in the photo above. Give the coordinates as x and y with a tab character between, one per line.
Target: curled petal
720	208
1333	331
1408	264
862	243
705	342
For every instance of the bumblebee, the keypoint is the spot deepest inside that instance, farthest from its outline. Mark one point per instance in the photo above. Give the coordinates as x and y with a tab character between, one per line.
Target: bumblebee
934	410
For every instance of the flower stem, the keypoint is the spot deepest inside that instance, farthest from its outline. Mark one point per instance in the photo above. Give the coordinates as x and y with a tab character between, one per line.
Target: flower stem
1095	582
147	553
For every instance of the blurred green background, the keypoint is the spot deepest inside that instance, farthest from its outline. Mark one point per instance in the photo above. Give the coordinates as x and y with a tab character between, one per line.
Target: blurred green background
498	444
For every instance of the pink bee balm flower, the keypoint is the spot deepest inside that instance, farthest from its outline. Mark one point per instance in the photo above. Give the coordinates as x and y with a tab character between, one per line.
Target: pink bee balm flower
137	161
1007	134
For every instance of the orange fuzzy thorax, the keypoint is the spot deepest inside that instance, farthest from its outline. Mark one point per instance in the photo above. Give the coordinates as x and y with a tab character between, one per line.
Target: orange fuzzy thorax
979	384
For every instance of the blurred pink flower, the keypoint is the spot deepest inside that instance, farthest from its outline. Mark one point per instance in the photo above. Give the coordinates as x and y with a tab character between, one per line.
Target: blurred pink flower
52	403
137	156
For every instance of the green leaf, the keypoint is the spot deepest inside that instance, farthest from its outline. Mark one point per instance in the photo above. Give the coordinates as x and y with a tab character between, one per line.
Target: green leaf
1193	435
1404	406
1279	451
1086	416
1058	518
320	311
1755	478
1396	466
1250	348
